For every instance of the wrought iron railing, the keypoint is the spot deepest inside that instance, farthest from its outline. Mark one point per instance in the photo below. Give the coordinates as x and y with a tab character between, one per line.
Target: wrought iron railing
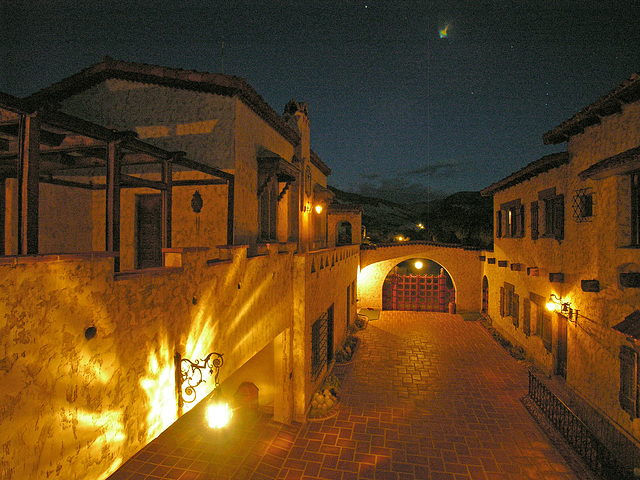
597	457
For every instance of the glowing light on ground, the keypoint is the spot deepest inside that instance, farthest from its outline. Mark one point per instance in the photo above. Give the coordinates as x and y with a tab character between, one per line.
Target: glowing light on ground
218	415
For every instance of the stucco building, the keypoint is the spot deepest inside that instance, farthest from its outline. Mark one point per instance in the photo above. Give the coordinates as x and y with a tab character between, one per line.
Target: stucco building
149	212
567	233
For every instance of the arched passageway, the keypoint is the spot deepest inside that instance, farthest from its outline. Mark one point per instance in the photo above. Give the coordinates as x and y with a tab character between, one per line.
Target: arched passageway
417	284
462	264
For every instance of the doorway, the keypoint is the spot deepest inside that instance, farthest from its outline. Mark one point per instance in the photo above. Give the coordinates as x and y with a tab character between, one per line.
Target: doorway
485	294
149	230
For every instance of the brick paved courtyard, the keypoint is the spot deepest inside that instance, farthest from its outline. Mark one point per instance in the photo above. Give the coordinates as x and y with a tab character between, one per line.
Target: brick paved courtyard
430	397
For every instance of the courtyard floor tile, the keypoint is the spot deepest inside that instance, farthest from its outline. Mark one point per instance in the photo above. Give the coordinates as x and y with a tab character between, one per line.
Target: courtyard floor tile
430	397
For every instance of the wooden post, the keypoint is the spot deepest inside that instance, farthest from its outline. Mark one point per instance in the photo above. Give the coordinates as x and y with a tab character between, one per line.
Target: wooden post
167	196
112	217
28	184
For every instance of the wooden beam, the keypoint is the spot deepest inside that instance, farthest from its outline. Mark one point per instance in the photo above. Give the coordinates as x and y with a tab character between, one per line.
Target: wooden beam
28	184
204	181
200	167
112	227
167	200
68	183
131	181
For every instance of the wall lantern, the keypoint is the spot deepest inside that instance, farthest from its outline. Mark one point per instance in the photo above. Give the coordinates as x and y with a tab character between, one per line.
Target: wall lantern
556	304
418	264
189	375
319	209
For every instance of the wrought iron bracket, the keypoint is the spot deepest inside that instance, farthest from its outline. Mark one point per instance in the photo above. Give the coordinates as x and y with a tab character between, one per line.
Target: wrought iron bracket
189	374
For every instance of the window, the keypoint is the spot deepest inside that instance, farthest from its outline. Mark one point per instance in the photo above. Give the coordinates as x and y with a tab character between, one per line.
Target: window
510	220
635	209
318	345
583	205
553	210
534	221
509	303
629	380
526	316
343	234
267	207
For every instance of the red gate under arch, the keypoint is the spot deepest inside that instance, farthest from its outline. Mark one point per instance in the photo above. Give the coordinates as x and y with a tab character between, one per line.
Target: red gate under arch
422	293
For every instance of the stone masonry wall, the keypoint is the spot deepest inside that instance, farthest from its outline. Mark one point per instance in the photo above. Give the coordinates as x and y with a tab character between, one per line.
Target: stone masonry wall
76	408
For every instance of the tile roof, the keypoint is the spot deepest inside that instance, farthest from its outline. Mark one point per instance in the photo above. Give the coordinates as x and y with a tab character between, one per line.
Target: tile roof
617	164
630	325
627	92
216	83
533	169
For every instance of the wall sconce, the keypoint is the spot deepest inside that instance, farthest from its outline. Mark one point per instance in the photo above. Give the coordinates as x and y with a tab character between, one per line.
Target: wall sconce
318	209
556	304
189	376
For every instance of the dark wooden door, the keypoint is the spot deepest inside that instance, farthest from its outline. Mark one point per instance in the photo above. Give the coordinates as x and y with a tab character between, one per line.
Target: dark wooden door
149	230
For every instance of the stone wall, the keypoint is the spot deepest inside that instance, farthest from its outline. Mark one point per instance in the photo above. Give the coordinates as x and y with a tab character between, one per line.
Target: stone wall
321	280
595	249
463	266
76	408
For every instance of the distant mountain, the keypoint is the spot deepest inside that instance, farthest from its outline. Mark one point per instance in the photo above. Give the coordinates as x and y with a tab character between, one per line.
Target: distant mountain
464	218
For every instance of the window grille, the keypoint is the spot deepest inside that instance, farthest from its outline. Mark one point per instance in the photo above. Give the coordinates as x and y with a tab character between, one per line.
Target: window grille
583	205
318	345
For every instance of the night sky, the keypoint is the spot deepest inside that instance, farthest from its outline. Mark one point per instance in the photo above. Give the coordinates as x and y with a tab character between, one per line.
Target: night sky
397	110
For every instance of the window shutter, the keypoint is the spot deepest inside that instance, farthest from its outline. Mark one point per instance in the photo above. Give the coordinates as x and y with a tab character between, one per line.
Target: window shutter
502	301
515	314
526	316
499	224
558	228
546	331
628	380
521	222
534	220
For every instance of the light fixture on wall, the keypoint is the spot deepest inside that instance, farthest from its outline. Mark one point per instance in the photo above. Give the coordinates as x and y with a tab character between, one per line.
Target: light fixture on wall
556	304
319	208
189	374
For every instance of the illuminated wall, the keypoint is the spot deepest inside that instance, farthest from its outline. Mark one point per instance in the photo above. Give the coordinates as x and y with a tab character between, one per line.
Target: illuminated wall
321	279
463	266
76	408
595	249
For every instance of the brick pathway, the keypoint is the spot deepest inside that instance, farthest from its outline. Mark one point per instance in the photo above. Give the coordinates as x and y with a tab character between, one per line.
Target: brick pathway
430	397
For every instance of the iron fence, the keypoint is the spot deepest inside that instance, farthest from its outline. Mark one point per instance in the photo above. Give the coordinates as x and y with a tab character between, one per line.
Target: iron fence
597	457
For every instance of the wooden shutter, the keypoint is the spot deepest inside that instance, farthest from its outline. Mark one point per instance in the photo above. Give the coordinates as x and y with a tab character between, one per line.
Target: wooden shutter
515	313
558	216
502	301
628	380
499	224
546	331
526	316
521	221
534	220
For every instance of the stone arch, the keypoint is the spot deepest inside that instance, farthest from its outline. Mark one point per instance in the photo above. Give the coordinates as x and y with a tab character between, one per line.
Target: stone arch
344	233
427	287
463	266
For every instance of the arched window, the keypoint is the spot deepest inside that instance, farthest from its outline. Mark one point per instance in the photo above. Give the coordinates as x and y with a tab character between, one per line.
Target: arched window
343	233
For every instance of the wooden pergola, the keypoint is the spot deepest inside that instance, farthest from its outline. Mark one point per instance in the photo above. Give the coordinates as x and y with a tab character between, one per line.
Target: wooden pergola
49	146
